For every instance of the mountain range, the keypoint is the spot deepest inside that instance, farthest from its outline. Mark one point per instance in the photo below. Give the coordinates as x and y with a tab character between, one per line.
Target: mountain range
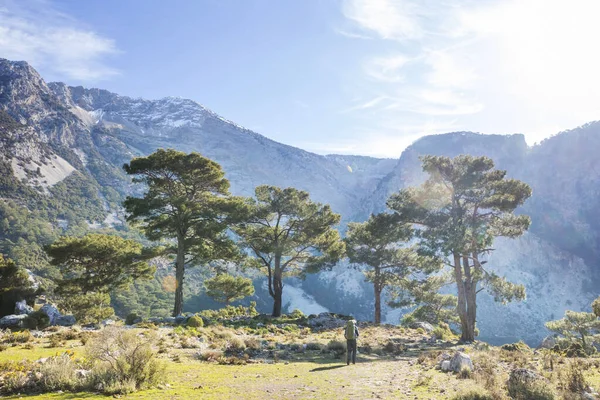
62	149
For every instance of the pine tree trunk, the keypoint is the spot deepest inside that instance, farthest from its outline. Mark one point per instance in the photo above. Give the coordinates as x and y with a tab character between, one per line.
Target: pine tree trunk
179	273
377	288
469	299
461	307
277	287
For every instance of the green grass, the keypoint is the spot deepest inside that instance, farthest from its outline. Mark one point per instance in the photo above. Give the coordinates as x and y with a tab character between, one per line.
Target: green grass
411	374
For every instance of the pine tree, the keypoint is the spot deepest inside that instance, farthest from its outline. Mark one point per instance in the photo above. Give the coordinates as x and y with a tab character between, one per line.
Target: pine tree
226	288
97	263
464	204
187	199
289	235
379	245
14	286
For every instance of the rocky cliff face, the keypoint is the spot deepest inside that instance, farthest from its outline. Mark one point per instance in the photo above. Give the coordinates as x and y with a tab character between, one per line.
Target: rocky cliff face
89	133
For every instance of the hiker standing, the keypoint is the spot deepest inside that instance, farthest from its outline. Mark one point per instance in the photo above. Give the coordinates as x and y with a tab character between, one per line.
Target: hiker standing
351	335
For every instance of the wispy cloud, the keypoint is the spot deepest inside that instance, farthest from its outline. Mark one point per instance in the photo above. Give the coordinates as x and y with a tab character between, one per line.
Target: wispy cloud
493	66
54	42
387	69
388	19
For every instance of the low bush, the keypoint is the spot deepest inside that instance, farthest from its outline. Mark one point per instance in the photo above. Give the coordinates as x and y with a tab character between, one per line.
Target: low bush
229	312
526	387
59	373
211	355
253	344
121	357
575	381
337	347
314	346
56	340
519	346
235	345
443	332
195	321
36	320
18	337
132	319
394	348
575	349
55	373
296	314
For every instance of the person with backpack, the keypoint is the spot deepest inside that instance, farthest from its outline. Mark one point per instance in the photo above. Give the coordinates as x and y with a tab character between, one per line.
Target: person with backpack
351	334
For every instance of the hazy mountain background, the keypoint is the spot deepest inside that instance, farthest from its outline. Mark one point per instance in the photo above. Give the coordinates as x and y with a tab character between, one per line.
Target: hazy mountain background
62	148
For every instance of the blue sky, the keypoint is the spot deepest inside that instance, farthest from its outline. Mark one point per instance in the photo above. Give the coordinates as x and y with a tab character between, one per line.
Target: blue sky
330	76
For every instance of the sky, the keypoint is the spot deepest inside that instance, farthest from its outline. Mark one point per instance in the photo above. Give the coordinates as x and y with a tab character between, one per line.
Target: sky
362	77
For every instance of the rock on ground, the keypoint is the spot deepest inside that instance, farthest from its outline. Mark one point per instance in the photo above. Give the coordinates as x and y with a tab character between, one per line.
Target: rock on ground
522	376
326	321
460	361
424	325
12	321
21	308
65	320
52	313
445	365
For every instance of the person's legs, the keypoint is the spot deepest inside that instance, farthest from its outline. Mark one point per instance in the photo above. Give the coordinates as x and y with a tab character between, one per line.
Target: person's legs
354	352
348	351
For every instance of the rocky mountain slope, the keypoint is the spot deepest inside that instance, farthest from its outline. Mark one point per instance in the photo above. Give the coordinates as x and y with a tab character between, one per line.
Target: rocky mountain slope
62	149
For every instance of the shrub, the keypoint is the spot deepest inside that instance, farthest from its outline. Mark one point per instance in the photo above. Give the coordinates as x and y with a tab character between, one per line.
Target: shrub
253	344
3	347
526	387
56	340
394	348
189	343
122	357
211	355
132	319
56	373
195	321
519	346
229	312
575	381
367	349
69	334
485	370
18	337
465	373
575	349
59	373
84	337
120	387
297	314
443	332
36	320
314	346
235	345
337	347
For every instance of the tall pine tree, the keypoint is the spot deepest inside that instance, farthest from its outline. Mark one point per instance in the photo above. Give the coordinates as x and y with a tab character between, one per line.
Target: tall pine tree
459	211
187	200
